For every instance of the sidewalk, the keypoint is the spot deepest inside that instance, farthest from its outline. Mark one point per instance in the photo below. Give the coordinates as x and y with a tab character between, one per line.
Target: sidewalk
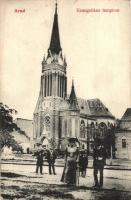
27	159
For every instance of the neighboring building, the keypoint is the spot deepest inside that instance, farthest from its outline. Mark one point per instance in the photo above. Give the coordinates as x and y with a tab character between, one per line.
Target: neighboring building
25	125
123	136
24	136
58	116
23	140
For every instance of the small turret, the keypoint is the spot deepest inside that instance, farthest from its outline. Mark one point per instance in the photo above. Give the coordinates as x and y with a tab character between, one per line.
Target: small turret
73	99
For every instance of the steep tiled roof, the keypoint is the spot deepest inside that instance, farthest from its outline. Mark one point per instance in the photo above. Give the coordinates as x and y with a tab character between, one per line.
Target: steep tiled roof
98	109
93	108
83	106
125	122
127	115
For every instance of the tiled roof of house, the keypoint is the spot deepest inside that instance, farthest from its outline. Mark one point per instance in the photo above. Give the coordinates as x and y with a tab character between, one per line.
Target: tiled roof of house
125	122
127	115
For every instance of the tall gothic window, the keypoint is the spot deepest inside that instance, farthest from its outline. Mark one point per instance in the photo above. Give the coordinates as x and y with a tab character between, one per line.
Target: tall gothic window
92	144
102	129
47	122
92	130
82	129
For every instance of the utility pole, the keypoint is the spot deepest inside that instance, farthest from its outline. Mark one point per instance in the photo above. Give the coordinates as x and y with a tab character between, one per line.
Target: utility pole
111	135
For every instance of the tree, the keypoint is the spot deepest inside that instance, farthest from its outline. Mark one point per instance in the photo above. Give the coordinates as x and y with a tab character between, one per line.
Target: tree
6	118
7	126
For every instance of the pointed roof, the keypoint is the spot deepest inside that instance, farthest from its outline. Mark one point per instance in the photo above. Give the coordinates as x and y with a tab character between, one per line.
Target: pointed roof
98	109
55	46
127	115
93	108
73	99
125	122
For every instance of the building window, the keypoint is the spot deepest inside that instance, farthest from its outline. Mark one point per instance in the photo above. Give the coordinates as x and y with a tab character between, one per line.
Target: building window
82	129
92	130
92	144
102	129
123	142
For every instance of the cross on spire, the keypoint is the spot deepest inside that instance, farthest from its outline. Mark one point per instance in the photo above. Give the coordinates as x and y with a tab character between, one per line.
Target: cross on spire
56	7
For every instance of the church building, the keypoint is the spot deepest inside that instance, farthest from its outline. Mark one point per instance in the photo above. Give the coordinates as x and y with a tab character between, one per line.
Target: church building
59	116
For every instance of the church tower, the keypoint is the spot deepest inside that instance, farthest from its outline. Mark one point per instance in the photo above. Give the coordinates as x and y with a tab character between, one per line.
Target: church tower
53	88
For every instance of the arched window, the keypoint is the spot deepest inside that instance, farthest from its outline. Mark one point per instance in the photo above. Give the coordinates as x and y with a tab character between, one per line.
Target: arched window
82	129
102	129
92	130
111	125
124	142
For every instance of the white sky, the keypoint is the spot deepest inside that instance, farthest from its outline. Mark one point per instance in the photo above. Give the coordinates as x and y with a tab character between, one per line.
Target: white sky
97	48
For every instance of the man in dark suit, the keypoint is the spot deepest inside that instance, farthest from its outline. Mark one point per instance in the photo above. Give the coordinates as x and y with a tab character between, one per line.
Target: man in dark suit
40	153
51	157
83	162
39	163
98	164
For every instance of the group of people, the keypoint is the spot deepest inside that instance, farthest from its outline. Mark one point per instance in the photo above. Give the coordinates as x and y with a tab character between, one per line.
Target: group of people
50	155
76	162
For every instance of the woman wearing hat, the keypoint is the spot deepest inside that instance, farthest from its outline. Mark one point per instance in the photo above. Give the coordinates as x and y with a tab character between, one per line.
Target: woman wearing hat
69	175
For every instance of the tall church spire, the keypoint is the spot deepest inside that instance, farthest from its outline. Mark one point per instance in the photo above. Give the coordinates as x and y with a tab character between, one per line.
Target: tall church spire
55	46
73	99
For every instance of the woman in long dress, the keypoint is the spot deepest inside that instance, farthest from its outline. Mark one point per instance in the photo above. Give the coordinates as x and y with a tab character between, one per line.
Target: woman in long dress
69	175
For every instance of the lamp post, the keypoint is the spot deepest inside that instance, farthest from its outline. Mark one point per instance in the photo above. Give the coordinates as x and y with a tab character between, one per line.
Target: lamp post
111	141
88	132
113	149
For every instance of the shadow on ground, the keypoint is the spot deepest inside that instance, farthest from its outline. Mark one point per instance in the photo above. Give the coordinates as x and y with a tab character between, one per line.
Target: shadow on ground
17	189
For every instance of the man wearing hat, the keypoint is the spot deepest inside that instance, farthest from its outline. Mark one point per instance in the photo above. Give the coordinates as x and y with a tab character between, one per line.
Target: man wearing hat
83	161
40	153
39	163
99	162
51	157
